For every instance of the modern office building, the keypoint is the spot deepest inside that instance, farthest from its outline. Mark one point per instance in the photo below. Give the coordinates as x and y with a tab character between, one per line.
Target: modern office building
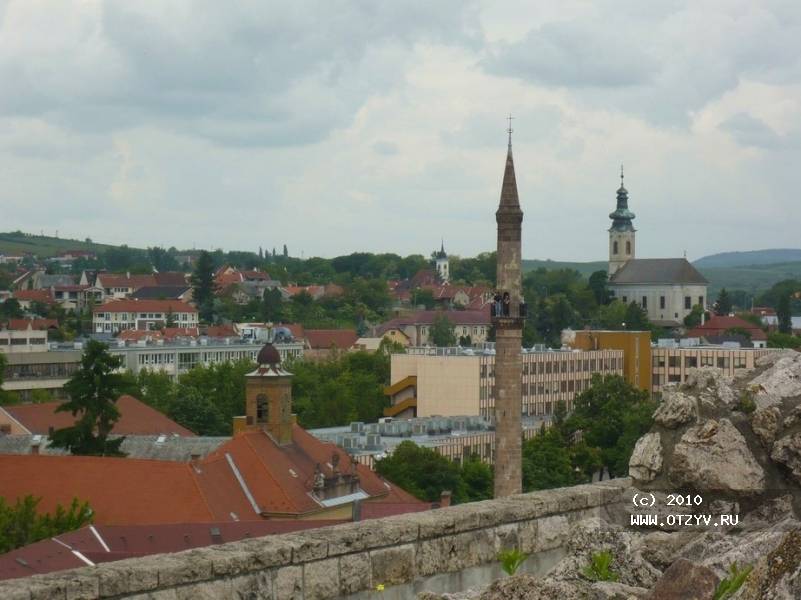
427	381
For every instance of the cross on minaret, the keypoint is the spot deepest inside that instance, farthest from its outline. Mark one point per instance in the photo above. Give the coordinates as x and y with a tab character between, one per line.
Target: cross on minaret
621	175
510	130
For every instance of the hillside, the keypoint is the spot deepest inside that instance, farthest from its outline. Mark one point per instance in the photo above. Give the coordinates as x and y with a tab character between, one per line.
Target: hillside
749	258
43	246
585	268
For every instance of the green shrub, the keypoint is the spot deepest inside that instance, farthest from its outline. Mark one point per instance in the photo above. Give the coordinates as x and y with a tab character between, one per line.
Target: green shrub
746	403
728	586
599	567
511	560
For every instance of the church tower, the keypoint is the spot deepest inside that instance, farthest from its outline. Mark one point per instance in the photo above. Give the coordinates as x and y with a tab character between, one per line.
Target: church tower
621	233
441	261
268	397
508	337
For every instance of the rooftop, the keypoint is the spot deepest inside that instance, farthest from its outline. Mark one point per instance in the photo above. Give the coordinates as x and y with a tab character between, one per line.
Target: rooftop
658	270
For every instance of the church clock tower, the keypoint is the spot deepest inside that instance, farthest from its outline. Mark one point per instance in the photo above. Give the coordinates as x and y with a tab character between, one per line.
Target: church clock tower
622	232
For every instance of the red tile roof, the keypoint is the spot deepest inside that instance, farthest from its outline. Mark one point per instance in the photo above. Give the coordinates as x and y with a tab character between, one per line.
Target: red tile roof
166	333
426	317
34	296
162	306
127	541
716	326
36	324
323	339
170	278
124	280
220	331
136	418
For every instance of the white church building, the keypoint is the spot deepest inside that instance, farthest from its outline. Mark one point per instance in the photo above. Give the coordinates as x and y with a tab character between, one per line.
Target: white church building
666	288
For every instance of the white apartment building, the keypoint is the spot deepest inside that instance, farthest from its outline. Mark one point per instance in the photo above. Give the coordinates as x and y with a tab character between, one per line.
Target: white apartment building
119	315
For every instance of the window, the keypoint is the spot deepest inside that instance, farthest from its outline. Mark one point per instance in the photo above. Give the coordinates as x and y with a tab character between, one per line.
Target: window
628	247
657	379
614	247
262	409
707	361
739	362
645	302
662	302
723	362
688	302
701	300
674	378
659	361
690	362
673	361
625	300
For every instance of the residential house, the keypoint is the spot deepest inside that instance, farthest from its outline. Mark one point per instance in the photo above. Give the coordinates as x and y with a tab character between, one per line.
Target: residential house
116	286
416	327
27	298
323	343
119	315
722	326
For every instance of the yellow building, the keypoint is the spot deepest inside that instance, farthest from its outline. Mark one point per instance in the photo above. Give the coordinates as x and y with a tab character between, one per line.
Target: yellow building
636	347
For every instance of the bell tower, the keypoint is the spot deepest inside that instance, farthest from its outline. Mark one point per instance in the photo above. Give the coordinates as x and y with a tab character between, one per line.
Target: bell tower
268	397
622	232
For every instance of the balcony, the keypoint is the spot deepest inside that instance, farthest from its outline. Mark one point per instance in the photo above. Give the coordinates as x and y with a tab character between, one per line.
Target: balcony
508	313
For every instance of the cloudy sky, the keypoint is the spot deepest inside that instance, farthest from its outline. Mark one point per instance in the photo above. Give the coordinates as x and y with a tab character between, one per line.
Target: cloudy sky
348	125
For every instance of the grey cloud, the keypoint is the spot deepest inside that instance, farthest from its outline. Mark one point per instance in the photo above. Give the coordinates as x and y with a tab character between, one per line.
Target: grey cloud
750	131
385	148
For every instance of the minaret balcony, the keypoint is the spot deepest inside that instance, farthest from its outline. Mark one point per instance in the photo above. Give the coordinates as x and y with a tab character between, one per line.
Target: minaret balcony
508	315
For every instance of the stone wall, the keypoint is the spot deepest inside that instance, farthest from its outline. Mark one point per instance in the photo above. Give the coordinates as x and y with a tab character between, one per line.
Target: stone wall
406	553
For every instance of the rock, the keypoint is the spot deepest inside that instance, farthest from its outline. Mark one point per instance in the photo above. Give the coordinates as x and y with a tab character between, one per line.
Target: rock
712	384
765	424
676	409
787	451
793	417
609	590
685	581
646	459
777	575
661	548
527	587
714	456
780	380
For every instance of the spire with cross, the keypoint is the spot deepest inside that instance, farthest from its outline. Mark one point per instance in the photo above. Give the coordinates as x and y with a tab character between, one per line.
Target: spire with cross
510	130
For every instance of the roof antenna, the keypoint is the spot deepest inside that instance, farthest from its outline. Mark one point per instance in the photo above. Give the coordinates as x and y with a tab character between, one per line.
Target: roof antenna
510	130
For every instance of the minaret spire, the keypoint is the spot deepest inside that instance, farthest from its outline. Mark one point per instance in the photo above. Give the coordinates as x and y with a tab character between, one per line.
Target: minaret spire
508	316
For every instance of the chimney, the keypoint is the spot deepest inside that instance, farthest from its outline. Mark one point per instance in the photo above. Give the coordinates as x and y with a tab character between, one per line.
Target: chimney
357	511
445	499
35	448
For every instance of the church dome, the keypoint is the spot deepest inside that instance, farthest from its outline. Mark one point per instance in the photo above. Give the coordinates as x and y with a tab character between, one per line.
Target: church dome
268	355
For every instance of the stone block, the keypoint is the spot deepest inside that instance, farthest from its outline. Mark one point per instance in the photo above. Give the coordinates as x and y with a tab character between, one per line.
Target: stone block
49	587
454	552
446	521
354	573
113	581
391	566
184	567
229	560
306	547
552	532
321	579
365	535
268	551
527	535
506	537
288	583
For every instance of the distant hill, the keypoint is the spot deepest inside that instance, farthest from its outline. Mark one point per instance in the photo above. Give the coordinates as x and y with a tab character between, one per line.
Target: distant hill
750	258
43	246
585	268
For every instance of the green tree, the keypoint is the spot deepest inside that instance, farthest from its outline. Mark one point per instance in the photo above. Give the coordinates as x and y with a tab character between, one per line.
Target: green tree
93	393
272	306
4	396
636	318
196	411
424	297
694	318
11	309
442	332
203	286
20	524
783	315
546	462
170	319
597	283
477	480
784	340
610	416
422	472
723	306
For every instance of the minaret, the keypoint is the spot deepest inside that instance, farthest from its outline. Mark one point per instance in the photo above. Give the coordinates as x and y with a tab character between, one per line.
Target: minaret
621	233
508	337
268	397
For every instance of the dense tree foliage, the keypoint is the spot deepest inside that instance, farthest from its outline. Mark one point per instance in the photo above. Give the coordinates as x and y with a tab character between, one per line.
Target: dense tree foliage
442	332
203	286
783	315
723	305
425	473
93	392
21	524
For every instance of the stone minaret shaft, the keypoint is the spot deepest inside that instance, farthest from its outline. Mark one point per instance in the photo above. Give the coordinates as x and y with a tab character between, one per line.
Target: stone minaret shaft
508	339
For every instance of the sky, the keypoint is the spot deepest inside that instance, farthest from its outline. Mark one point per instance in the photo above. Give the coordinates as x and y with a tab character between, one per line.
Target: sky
349	125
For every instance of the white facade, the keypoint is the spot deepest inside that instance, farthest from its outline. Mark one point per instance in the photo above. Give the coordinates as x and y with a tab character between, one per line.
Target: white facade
443	269
662	302
621	249
108	320
27	340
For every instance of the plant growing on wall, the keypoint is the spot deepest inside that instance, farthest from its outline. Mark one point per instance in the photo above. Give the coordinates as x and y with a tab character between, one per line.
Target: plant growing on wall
599	568
728	586
511	560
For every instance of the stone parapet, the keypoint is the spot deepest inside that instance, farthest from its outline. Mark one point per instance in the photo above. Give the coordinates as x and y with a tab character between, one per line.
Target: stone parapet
409	551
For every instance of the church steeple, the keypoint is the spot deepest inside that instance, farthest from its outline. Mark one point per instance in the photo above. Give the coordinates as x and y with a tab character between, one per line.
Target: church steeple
622	232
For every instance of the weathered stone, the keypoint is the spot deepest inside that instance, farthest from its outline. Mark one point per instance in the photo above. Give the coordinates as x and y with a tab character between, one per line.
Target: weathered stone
787	451
676	409
354	573
268	551
526	587
306	547
454	553
354	537
778	575
765	423
184	567
712	384
646	459
714	456
552	532
662	548
506	537
685	581
779	381
610	590
288	583
527	536
321	579
391	566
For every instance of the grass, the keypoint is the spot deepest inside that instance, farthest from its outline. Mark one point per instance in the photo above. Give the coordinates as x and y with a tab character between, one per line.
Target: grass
15	243
728	586
511	560
600	567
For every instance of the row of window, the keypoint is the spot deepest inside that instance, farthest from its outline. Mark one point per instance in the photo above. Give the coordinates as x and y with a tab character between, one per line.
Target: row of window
688	302
542	388
23	341
721	362
591	365
114	316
